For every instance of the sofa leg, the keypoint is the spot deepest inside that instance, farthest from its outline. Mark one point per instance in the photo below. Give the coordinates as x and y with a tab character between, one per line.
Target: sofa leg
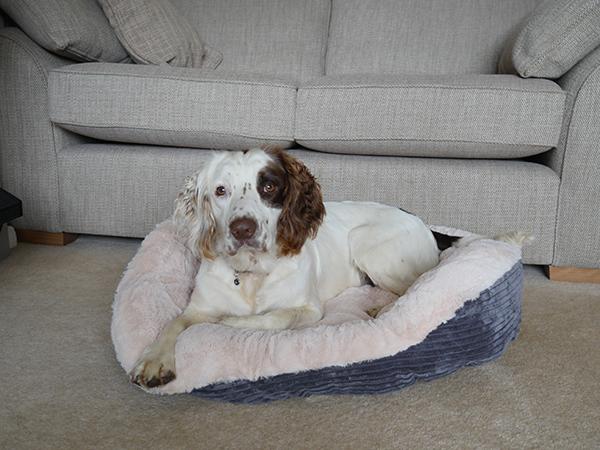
45	237
573	274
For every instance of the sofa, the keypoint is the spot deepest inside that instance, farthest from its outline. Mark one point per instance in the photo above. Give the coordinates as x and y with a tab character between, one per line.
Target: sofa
396	101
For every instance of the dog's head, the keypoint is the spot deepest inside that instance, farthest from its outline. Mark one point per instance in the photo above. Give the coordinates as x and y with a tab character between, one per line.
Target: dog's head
252	201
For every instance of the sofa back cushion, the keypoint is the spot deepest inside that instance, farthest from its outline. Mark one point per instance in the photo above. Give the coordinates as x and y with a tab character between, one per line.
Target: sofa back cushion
76	29
277	37
421	36
556	36
154	32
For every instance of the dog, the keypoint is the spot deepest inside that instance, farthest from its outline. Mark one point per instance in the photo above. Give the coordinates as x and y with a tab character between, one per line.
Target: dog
273	252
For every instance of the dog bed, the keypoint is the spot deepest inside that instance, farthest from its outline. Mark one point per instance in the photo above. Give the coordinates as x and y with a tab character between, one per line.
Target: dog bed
463	312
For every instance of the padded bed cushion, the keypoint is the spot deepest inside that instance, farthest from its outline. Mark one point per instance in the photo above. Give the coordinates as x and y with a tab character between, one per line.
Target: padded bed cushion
463	312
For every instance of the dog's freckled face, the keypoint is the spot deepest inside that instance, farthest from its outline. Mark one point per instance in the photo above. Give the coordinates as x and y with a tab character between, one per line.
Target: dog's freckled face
251	202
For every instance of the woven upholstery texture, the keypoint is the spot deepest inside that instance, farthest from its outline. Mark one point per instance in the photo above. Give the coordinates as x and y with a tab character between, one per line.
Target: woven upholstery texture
76	29
286	38
469	116
173	106
417	37
28	141
553	39
125	190
480	332
577	159
154	32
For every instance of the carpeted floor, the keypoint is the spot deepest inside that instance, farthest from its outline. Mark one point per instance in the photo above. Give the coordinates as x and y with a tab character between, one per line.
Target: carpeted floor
62	387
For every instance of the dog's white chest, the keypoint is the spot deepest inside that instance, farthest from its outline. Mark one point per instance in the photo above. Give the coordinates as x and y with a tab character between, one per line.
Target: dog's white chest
249	284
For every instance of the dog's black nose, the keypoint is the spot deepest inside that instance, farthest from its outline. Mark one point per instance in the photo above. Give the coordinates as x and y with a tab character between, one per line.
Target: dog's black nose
243	228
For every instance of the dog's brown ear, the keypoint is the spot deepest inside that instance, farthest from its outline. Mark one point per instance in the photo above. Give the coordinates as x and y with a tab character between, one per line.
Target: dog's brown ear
194	217
302	210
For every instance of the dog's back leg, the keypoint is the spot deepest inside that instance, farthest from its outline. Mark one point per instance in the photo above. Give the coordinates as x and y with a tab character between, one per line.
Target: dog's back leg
393	255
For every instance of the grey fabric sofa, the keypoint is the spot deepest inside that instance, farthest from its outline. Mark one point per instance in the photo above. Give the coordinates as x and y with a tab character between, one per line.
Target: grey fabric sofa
396	101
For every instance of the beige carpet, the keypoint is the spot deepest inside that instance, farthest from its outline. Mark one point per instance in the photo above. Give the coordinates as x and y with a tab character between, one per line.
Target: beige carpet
62	387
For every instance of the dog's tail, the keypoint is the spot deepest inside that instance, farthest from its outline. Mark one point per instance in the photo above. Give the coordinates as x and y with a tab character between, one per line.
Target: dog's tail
518	238
444	241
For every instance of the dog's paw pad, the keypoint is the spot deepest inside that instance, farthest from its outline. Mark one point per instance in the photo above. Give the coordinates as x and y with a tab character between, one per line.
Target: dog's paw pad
168	377
153	372
154	382
373	312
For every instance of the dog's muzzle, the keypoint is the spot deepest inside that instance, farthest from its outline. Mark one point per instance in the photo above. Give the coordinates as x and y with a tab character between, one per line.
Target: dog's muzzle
243	229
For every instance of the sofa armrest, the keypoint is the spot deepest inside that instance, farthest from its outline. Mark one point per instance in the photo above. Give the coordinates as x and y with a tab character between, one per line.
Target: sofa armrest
29	142
577	161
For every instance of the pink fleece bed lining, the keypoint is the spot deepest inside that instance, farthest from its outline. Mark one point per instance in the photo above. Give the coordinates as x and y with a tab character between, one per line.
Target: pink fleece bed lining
158	282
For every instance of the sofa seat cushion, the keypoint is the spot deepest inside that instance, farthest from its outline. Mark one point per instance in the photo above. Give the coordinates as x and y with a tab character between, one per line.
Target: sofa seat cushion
172	105
466	116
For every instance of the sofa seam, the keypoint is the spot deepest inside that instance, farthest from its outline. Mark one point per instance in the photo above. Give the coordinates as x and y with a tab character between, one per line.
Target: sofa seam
430	86
302	88
220	133
173	78
327	37
423	140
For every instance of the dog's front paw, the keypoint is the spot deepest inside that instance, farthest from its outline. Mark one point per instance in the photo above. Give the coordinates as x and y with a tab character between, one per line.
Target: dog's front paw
154	369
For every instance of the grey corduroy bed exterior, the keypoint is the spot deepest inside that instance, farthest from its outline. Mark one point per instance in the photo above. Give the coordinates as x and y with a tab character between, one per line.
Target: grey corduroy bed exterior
480	332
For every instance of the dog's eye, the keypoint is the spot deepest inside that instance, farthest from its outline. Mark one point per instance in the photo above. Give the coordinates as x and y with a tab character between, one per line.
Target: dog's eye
269	187
220	191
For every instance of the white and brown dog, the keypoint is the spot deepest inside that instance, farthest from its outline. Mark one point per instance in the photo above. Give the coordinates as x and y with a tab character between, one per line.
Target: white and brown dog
272	252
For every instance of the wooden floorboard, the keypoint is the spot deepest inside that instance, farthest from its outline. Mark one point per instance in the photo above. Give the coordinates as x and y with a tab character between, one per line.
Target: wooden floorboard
45	237
573	274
